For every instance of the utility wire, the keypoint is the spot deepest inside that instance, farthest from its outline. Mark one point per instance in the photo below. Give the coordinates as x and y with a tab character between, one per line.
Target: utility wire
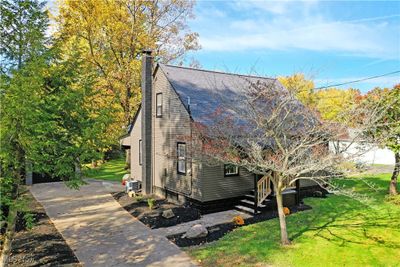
349	82
356	81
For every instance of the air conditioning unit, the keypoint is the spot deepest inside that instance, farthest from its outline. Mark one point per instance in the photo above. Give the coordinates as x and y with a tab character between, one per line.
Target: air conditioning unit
135	186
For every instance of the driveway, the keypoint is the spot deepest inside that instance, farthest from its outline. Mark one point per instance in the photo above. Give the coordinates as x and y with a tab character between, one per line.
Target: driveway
101	232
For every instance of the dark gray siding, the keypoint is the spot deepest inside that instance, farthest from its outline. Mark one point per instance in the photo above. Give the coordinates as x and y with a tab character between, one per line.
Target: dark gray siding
216	186
172	127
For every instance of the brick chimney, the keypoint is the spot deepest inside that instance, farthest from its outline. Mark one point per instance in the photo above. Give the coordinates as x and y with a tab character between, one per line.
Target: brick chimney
147	88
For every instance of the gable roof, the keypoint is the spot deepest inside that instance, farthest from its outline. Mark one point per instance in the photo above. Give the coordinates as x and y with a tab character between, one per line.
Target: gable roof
205	89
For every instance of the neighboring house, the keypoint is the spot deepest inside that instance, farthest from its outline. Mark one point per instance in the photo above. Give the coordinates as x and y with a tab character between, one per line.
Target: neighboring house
160	155
361	151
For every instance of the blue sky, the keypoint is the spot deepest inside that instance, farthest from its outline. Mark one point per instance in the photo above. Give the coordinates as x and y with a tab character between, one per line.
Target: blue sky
329	41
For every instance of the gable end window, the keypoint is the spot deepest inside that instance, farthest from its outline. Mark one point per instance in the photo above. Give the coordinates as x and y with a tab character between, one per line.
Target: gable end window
159	106
181	160
231	170
140	152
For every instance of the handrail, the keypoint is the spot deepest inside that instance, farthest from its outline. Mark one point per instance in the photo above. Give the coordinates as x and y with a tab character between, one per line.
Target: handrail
263	188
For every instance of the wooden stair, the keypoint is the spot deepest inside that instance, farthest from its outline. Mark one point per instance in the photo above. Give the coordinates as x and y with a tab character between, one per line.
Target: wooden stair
247	204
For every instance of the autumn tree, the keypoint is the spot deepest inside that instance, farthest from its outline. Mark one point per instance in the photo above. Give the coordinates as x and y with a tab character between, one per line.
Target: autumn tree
267	131
386	132
301	87
112	35
333	104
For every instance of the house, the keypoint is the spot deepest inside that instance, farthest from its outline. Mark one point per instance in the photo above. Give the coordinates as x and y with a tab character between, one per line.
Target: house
161	158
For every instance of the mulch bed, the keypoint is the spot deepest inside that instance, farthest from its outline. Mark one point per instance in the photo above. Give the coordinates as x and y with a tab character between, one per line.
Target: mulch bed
217	231
43	245
139	208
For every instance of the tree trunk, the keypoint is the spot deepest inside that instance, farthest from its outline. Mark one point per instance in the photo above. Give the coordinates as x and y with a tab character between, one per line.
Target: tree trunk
393	180
282	220
94	164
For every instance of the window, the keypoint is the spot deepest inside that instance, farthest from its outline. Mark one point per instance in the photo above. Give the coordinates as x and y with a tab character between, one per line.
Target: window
140	152
181	152
159	105
231	170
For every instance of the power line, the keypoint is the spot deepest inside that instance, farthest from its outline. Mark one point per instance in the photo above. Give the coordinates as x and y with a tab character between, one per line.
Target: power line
349	82
356	81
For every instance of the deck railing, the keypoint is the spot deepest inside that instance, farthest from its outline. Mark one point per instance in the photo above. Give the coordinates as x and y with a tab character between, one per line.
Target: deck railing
263	188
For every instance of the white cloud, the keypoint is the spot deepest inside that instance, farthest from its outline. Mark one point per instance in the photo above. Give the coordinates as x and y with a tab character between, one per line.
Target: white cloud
377	40
274	7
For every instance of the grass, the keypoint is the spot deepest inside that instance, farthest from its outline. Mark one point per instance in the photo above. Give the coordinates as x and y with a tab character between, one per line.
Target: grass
112	170
338	231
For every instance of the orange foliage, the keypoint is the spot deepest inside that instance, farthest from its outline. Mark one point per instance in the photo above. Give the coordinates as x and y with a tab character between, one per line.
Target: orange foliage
238	220
286	211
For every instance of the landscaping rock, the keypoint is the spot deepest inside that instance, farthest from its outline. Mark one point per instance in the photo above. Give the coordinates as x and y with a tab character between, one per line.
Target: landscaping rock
167	214
318	194
214	229
196	231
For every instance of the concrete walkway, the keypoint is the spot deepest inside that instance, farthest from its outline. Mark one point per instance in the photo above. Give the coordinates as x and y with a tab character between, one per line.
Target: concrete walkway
206	220
101	232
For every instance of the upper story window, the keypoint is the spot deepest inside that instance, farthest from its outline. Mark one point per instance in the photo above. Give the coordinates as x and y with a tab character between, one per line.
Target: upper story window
231	170
159	105
181	153
140	152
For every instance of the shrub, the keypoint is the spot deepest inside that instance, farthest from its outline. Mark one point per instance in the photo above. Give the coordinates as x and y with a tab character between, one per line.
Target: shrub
151	202
238	220
286	211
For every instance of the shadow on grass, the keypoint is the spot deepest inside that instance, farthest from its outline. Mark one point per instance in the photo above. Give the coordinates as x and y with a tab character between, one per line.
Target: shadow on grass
337	225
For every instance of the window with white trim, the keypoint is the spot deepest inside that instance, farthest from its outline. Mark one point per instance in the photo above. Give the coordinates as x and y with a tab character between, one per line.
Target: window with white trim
181	153
159	105
231	170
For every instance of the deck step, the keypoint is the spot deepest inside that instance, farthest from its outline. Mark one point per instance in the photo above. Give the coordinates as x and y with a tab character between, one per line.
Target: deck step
249	202
245	209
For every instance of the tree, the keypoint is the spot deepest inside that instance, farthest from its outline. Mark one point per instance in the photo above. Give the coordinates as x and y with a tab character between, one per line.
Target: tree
387	131
333	103
60	124
23	24
270	133
301	87
113	33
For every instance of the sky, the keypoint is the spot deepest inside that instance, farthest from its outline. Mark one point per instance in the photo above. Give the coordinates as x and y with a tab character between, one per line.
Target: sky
329	41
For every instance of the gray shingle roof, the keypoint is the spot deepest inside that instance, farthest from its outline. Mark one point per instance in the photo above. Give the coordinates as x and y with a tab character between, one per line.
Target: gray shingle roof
207	89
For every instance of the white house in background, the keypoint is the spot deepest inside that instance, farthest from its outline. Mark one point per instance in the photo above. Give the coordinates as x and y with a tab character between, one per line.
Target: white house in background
362	151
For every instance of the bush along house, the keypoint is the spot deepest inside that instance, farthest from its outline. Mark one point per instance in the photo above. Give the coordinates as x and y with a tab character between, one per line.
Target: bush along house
161	158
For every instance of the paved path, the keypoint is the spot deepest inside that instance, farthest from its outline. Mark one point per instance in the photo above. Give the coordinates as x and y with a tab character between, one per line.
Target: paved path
101	232
206	220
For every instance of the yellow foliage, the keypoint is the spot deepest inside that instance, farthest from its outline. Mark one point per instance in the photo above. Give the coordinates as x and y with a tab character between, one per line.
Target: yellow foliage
333	103
301	87
110	35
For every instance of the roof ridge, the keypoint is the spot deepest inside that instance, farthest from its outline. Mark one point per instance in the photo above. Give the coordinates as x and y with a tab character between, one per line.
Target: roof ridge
219	72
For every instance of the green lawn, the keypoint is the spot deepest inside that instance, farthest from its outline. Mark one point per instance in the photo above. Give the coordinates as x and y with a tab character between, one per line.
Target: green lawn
112	170
338	231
